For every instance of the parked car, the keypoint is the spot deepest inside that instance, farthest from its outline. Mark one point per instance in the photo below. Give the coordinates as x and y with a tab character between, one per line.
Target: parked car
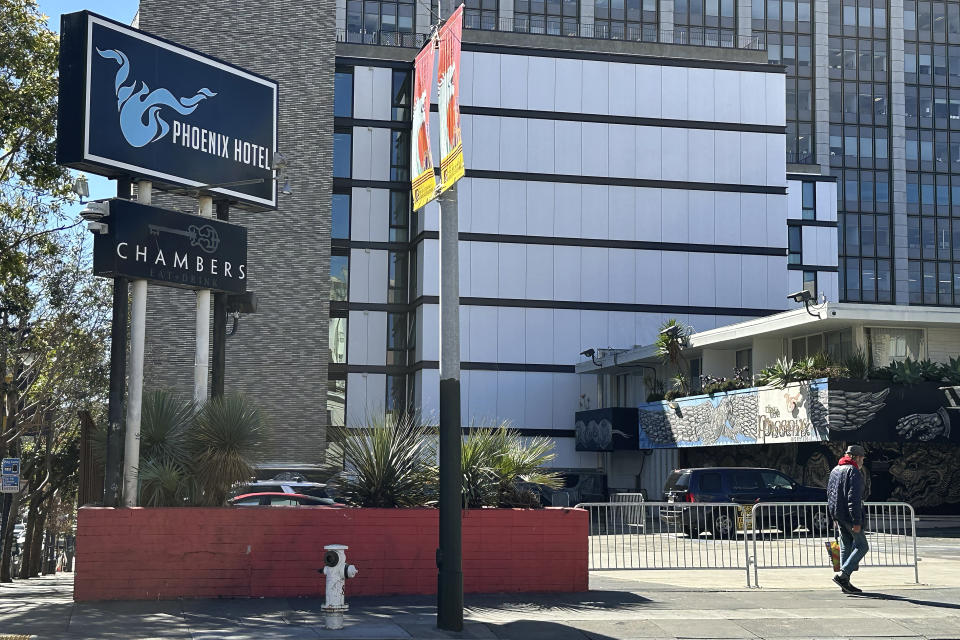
743	486
285	483
279	499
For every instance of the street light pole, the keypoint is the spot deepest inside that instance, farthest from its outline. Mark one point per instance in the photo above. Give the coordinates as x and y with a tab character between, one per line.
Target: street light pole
118	379
450	577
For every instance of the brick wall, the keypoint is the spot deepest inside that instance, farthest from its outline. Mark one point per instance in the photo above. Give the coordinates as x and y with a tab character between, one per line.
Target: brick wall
141	554
279	355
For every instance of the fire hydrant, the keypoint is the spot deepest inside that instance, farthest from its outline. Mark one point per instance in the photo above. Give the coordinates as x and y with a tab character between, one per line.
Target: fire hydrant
337	571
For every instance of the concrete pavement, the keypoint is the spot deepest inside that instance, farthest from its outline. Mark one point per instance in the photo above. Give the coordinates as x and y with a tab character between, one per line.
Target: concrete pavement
616	608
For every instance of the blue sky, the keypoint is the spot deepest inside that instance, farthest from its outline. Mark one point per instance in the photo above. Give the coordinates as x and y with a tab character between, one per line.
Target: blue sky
119	10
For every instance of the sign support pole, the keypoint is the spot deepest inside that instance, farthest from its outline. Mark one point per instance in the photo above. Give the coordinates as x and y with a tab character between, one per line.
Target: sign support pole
220	323
201	363
138	321
450	578
118	378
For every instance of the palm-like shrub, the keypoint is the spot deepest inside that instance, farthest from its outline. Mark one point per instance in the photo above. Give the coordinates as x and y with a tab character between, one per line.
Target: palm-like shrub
194	458
498	465
388	463
225	433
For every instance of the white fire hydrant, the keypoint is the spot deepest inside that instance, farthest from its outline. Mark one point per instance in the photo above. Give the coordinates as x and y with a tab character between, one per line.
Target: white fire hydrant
337	571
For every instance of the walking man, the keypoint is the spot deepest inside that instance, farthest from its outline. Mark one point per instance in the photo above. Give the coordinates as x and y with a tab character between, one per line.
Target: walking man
845	507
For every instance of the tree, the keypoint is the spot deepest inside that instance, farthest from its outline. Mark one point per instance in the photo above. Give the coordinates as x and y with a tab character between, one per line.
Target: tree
52	311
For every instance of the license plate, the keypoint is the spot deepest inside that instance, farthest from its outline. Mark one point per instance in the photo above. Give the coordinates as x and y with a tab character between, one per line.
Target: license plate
745	519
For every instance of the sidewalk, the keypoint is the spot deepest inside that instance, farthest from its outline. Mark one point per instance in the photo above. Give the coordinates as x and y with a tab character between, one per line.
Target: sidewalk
617	608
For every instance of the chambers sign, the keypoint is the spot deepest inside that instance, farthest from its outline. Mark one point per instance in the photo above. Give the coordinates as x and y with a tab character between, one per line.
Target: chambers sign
132	104
171	248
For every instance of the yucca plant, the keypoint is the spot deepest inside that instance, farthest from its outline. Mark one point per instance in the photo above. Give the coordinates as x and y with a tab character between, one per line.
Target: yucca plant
223	439
497	462
165	451
390	462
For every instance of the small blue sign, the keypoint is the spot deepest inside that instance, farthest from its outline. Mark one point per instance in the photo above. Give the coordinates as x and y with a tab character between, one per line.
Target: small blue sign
9	484
11	466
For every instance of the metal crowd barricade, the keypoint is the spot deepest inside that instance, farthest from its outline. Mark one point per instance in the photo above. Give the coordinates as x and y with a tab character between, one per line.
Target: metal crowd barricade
789	535
666	535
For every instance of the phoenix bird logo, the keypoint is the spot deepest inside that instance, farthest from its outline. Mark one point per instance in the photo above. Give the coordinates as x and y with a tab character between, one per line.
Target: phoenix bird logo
140	120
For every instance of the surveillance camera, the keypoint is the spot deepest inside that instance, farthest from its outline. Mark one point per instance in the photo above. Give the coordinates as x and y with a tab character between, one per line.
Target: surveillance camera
95	210
588	353
670	331
801	296
97	227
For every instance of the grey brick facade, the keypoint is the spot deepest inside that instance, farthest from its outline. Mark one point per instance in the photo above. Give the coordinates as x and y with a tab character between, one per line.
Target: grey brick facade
279	356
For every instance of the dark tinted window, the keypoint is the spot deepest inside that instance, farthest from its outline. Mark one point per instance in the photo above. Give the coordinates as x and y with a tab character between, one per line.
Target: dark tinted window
710	482
746	480
677	480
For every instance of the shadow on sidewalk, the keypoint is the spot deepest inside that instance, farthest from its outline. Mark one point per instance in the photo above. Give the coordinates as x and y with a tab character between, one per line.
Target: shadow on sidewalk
922	603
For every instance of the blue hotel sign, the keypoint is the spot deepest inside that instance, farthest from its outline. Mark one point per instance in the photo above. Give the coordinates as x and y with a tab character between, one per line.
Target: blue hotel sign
132	104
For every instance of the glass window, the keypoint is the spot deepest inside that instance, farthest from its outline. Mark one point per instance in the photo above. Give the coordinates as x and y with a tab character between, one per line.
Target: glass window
810	282
556	17
342	153
744	361
397	277
399	216
343	94
339	278
893	345
399	156
336	403
795	245
340	216
396	338
400	96
710	482
480	14
338	341
396	399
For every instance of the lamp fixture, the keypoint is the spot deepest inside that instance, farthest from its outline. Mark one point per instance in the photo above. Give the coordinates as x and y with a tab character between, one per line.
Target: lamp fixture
81	187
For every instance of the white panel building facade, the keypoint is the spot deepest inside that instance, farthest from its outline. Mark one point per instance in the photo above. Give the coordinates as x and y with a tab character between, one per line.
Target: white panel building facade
607	190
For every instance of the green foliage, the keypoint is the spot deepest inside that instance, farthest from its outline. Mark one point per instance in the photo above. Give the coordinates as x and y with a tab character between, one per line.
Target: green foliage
193	458
671	340
388	463
857	364
224	436
673	394
930	371
951	371
681	384
781	373
499	466
906	372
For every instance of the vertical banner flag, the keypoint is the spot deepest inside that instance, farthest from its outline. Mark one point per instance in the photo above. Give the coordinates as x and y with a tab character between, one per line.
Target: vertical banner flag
451	144
424	182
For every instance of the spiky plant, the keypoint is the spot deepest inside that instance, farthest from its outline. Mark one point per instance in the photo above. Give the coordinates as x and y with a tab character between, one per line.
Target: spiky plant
781	373
479	453
857	364
387	463
164	483
224	437
951	371
930	371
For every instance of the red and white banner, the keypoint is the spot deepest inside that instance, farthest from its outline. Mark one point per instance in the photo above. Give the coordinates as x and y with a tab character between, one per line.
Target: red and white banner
451	144
421	161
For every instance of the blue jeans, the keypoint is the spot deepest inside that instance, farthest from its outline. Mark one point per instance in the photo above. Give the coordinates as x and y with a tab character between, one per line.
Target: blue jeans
853	546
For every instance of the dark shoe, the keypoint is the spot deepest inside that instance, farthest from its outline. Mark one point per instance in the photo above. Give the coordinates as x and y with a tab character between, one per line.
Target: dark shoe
844	584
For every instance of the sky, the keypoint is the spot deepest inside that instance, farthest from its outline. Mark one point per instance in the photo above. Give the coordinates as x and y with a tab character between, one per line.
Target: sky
119	10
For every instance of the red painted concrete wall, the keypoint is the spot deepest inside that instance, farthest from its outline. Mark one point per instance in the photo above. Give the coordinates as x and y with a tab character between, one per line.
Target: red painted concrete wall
140	554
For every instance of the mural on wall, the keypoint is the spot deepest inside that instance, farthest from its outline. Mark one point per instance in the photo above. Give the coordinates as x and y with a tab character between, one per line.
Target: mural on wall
927	476
609	429
842	409
747	416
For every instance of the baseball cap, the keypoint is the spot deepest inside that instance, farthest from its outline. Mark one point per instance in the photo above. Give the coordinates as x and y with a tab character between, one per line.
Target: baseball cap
855	450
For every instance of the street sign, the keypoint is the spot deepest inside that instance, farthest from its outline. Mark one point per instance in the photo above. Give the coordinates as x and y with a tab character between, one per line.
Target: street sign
11	466
10	476
171	248
10	484
132	104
